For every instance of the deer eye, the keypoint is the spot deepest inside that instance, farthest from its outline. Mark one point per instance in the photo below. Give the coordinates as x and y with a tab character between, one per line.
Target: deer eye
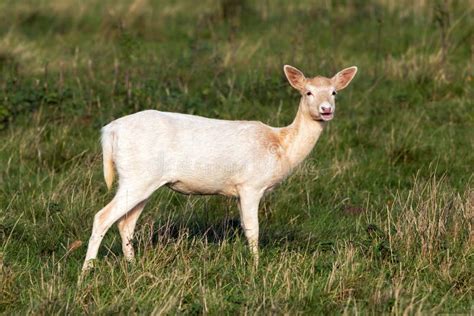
309	93
334	92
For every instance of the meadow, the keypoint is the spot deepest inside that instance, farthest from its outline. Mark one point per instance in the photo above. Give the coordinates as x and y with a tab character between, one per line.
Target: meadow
378	220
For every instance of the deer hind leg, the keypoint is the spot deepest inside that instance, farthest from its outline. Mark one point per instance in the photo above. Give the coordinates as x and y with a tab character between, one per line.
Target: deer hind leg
124	201
126	226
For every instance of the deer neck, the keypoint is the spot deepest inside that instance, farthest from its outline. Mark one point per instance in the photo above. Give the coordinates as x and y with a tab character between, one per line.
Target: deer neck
299	138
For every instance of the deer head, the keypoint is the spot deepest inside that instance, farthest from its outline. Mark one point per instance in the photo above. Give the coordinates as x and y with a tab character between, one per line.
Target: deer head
318	94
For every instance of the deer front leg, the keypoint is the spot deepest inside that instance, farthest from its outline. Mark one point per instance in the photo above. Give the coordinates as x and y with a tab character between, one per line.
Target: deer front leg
248	205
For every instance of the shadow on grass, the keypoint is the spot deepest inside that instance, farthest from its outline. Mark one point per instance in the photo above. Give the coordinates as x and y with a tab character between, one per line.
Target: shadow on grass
228	229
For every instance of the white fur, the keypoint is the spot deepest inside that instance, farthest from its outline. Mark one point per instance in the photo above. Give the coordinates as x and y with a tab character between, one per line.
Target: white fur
197	155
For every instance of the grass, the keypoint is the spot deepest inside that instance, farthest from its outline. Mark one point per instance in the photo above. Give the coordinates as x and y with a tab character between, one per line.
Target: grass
379	219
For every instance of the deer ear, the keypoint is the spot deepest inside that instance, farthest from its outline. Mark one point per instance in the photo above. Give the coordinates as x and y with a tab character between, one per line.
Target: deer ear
344	77
295	77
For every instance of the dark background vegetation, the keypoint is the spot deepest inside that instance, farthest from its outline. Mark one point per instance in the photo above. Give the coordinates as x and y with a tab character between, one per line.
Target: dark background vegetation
378	219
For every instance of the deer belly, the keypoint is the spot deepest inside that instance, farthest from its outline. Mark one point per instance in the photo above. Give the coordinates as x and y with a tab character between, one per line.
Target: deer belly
202	188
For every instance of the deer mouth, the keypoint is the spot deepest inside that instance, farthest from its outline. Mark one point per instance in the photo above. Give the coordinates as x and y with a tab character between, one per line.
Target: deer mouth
327	116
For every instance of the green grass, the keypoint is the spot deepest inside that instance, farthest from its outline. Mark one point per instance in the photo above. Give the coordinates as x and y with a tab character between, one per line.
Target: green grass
379	219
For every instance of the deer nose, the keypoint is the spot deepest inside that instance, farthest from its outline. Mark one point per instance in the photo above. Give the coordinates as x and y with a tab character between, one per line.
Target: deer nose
325	107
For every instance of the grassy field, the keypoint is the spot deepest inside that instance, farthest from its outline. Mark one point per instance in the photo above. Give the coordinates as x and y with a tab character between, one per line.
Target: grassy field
379	219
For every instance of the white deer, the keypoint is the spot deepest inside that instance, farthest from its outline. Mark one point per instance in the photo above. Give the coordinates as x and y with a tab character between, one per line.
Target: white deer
196	155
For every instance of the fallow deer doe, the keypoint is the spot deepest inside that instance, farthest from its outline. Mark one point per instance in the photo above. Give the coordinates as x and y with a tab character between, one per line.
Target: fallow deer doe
196	155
